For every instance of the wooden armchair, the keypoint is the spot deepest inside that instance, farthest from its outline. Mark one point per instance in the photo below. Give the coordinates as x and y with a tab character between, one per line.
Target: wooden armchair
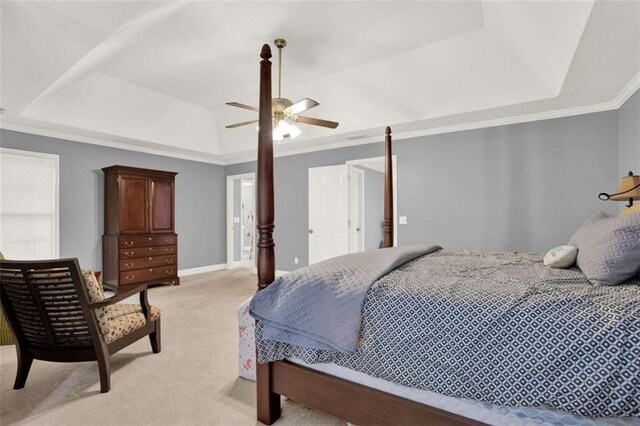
57	312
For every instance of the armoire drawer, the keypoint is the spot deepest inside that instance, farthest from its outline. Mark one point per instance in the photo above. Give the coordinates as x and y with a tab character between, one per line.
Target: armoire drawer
147	251
161	274
143	241
147	262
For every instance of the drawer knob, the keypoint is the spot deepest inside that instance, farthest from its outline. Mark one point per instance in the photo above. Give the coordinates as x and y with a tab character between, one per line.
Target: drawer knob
150	269
128	243
128	253
128	265
170	260
169	272
150	258
131	277
150	238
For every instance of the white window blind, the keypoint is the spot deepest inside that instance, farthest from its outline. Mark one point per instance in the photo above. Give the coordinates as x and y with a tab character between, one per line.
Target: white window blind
28	205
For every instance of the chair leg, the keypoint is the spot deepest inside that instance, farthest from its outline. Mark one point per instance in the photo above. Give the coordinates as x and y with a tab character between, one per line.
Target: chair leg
104	366
24	365
155	338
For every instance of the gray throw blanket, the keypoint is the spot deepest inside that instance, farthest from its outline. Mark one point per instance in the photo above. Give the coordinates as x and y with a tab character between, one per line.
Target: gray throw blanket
320	306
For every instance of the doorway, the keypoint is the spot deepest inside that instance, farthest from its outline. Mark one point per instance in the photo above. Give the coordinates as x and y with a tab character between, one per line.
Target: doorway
346	207
369	204
241	224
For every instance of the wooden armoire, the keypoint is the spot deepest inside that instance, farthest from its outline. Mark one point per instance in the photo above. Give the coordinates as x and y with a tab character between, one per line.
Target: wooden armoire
139	244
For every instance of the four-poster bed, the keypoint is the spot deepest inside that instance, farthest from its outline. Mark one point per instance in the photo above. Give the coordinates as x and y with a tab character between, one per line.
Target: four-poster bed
492	328
347	400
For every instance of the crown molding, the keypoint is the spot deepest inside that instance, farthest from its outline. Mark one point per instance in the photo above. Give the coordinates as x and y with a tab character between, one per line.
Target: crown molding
619	100
248	156
628	91
547	115
202	158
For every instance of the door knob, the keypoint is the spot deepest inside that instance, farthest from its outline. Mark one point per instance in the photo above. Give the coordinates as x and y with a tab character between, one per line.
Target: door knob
357	229
311	231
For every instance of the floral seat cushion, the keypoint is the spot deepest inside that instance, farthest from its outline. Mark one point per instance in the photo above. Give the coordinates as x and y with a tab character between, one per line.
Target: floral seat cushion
125	318
115	321
93	286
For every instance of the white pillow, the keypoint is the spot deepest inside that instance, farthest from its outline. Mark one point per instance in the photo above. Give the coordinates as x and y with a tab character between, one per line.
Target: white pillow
561	256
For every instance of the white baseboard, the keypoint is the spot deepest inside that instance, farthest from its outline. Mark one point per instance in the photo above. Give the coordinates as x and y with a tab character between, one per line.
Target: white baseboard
279	273
219	267
202	269
239	263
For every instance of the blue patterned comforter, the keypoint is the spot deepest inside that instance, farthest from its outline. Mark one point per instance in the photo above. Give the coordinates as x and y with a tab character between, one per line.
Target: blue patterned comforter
499	328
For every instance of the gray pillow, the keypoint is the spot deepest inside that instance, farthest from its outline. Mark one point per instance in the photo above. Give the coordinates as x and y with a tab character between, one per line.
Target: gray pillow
608	248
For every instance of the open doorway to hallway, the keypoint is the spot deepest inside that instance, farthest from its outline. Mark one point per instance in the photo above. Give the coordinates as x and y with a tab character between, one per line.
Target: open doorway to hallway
241	222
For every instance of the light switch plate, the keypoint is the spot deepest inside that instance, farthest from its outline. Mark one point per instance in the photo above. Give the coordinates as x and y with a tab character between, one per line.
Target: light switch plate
402	220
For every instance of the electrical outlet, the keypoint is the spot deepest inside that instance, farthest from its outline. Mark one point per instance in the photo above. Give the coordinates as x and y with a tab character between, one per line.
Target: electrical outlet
402	220
295	260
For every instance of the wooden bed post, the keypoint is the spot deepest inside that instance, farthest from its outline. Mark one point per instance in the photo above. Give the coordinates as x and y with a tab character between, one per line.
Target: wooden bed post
264	182
268	402
388	190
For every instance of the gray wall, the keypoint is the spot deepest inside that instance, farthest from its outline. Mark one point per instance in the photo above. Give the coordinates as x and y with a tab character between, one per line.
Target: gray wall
629	136
518	187
373	208
200	198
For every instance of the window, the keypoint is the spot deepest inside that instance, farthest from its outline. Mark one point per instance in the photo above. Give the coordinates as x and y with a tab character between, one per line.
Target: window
29	209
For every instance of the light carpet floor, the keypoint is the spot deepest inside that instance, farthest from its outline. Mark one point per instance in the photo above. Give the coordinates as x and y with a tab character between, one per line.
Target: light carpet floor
193	380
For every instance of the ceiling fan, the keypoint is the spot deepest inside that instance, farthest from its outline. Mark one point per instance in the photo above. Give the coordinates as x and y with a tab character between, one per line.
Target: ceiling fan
285	113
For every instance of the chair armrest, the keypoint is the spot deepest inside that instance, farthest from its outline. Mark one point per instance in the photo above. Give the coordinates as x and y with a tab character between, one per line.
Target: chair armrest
146	307
121	295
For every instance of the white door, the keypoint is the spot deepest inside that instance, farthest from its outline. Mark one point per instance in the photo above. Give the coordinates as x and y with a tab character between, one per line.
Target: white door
328	212
356	192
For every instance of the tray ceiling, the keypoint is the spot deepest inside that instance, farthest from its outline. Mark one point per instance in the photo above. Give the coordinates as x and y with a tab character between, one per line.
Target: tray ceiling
154	76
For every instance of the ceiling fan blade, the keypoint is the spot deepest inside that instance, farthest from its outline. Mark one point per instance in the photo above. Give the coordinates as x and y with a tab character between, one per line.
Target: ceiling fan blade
301	106
243	123
316	122
239	105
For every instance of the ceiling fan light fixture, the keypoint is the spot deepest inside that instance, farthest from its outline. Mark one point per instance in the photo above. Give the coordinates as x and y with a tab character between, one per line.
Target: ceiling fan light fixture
284	112
294	131
284	130
279	133
282	126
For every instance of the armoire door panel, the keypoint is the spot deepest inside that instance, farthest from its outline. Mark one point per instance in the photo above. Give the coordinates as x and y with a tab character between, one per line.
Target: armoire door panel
161	206
134	198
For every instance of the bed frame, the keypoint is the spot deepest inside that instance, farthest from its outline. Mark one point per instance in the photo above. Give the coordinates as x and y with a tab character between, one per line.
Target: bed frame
352	402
